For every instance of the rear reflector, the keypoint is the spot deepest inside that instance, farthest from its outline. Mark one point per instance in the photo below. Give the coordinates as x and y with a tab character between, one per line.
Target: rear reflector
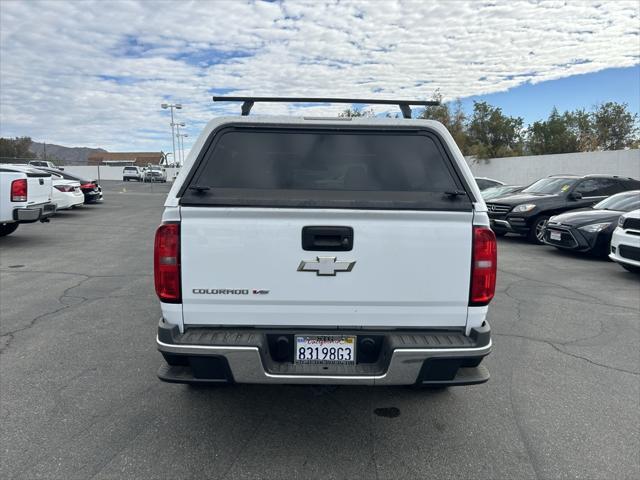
19	190
483	266
166	263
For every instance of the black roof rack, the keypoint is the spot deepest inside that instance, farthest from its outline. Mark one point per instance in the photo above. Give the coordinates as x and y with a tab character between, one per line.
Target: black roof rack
247	102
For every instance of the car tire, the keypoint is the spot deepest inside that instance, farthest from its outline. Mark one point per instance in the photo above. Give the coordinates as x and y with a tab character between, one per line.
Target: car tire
630	268
537	230
8	228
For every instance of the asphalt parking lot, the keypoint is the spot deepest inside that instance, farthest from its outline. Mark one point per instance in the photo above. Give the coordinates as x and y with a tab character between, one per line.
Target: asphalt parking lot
80	398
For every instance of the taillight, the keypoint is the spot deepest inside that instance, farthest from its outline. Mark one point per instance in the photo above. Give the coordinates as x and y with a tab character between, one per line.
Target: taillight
483	266
19	190
64	188
88	185
166	263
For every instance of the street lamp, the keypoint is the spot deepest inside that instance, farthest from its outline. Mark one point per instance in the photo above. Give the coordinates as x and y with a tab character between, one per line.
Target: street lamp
178	125
180	149
171	106
181	142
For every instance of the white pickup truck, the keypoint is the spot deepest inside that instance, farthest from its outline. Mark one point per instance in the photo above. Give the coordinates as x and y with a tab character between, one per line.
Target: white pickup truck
324	251
25	197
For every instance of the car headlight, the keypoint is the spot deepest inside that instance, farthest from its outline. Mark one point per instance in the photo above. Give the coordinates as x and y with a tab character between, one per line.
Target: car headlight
620	221
525	207
595	227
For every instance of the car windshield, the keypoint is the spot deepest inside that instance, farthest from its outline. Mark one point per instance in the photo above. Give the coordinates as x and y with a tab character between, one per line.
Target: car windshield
551	186
622	202
494	192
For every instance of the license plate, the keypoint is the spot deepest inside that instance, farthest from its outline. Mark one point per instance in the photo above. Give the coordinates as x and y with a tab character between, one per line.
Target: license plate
555	236
325	349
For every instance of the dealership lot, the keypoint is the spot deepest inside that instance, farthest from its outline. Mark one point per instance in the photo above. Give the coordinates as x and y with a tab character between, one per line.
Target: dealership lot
80	398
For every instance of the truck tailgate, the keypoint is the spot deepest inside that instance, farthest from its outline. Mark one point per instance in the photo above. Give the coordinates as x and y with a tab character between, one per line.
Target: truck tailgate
411	268
38	188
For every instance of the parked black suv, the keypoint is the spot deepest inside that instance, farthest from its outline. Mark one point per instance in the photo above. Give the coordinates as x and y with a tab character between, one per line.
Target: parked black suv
527	212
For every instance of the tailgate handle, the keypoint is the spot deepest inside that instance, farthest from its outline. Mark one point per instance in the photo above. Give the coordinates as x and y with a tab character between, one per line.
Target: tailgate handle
327	239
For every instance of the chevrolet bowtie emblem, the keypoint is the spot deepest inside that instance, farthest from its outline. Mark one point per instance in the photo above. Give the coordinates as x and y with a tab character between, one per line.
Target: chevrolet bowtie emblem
325	266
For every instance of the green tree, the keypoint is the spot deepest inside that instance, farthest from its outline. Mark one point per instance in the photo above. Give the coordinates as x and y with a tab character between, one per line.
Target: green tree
553	135
493	134
454	120
581	124
614	126
356	112
15	148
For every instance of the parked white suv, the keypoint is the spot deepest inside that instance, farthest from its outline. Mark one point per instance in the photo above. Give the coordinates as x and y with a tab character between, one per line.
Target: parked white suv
326	251
25	197
132	173
625	242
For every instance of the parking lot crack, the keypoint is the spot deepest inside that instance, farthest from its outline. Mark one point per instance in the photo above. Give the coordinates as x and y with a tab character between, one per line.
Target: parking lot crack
524	437
556	347
63	306
587	298
49	272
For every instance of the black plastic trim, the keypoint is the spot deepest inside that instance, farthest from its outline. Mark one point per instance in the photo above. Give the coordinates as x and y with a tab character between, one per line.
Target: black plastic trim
327	238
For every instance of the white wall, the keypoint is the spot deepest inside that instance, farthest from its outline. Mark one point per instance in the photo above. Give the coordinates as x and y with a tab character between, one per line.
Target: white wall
511	170
103	172
525	170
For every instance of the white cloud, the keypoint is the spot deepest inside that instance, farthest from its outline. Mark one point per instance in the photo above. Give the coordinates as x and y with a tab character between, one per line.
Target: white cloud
95	73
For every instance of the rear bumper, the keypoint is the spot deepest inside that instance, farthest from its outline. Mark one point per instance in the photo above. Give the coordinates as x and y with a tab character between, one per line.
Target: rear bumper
422	357
33	213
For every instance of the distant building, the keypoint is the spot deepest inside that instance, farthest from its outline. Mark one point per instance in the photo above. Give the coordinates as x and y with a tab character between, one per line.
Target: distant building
121	159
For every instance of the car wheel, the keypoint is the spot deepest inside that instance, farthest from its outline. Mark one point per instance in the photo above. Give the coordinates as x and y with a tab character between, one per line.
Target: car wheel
8	228
536	233
630	268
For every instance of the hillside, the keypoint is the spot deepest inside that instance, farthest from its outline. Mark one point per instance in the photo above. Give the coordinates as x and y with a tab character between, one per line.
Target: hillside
64	155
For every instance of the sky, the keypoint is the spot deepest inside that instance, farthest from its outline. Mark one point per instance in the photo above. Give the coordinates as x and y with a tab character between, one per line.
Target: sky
94	73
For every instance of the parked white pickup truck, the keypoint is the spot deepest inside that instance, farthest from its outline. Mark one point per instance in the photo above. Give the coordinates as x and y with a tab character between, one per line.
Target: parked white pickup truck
324	251
25	197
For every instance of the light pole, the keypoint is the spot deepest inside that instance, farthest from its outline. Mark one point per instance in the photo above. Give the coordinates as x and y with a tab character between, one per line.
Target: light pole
180	155
181	142
171	106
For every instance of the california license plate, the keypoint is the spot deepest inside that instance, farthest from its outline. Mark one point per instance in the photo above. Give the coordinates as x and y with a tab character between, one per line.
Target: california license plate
555	235
322	349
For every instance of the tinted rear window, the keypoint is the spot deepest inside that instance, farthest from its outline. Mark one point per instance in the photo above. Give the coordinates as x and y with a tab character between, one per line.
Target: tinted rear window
131	169
322	168
326	161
